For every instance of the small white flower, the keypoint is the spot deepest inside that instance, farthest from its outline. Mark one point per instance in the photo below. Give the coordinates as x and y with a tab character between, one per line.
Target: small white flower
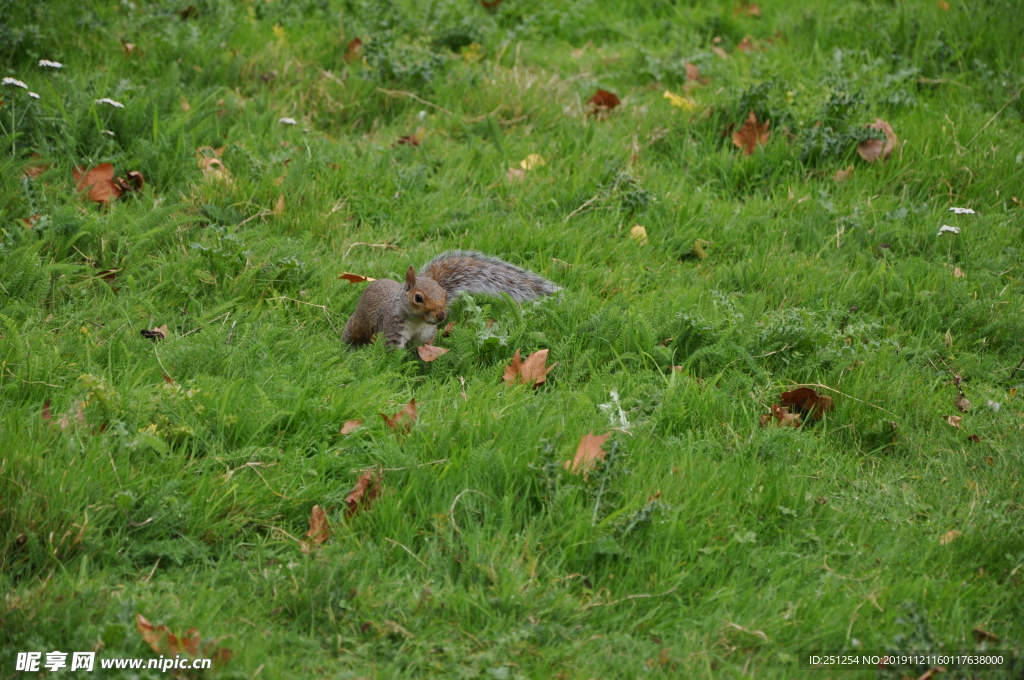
110	102
422	115
33	95
962	211
15	82
50	64
108	133
286	121
994	405
946	228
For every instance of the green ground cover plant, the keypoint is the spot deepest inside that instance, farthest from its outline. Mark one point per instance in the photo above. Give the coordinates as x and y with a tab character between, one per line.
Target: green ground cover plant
283	142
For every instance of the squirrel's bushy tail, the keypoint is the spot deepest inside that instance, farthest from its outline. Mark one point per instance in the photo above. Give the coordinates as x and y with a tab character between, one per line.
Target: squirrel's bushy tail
468	271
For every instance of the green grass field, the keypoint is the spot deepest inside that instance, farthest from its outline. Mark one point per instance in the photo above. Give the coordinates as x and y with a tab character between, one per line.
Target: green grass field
175	479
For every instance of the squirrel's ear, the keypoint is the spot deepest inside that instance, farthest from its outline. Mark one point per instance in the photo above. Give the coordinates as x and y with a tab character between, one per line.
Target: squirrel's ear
410	278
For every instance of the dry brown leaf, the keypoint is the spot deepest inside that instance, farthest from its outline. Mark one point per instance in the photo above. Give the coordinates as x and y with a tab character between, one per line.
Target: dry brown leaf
949	537
843	175
958	273
134	182
99	181
279	206
719	52
515	175
407	140
353	50
188	12
431	352
529	372
402	421
638	234
954	420
156	334
213	167
47	414
873	149
36	168
354	278
128	48
982	635
751	134
748	9
807	402
491	4
745	45
319	529
163	641
974	438
780	417
448	329
943	5
693	74
367	488
603	101
962	404
588	453
351	426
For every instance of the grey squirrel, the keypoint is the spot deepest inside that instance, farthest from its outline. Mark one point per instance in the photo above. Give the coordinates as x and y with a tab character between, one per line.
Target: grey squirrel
407	314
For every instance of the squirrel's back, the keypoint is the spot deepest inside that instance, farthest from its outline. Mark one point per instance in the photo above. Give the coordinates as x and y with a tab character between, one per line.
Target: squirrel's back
468	271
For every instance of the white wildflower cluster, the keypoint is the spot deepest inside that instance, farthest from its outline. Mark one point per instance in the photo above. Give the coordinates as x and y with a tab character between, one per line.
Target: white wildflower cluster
110	102
50	64
286	121
962	211
946	229
14	82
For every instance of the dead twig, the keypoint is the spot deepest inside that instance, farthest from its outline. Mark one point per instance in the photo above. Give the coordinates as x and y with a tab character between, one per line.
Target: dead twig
370	245
995	115
407	550
629	597
398	94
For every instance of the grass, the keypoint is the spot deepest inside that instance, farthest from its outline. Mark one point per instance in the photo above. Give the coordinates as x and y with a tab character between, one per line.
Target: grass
706	546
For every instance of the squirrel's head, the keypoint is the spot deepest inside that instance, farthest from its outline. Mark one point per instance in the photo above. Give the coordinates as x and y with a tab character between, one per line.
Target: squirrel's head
426	298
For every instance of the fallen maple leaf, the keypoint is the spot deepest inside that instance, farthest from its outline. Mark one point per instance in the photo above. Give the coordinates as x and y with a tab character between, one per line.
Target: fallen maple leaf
515	174
873	149
954	420
402	421
748	9
949	537
367	488
155	334
163	641
807	402
843	175
353	50
351	426
962	404
319	529
134	182
684	103
603	101
529	372
431	352
588	453
99	181
354	278
693	74
638	234
781	418
751	134
533	160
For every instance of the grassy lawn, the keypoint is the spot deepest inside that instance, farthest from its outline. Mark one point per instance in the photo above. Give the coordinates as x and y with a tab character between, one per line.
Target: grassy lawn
173	477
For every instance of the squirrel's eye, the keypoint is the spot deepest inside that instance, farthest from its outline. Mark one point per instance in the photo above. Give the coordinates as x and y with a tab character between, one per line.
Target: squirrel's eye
419	299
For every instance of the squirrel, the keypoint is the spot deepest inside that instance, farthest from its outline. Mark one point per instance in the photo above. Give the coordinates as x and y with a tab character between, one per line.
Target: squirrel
407	313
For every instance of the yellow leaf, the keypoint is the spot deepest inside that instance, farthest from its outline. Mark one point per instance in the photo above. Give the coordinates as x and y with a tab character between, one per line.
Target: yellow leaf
534	160
684	103
638	234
